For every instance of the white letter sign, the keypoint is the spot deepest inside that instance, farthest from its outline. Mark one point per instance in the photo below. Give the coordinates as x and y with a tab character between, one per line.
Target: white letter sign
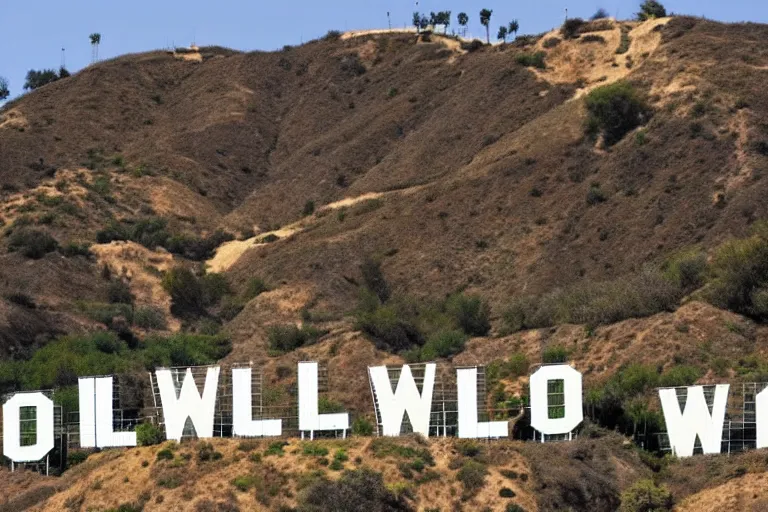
242	402
96	425
189	404
12	446
761	417
469	427
682	428
309	417
572	399
392	406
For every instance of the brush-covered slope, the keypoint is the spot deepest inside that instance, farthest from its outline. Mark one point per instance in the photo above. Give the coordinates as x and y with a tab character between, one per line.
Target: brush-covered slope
481	164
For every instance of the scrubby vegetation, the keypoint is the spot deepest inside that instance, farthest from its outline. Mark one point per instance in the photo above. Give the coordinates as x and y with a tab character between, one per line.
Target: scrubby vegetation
532	60
356	490
595	303
644	496
285	338
571	28
153	232
61	362
32	243
650	9
615	109
739	275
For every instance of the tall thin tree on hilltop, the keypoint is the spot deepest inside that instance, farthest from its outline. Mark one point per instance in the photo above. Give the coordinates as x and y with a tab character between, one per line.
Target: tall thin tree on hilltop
463	19
485	20
95	41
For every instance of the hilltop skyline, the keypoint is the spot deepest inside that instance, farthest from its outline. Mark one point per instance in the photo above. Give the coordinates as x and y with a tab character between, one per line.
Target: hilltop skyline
143	26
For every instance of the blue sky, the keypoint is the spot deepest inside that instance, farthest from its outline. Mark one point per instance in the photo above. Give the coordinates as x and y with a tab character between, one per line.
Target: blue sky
32	33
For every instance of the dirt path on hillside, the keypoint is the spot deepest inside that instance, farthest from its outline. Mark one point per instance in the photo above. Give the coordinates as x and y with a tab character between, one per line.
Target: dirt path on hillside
230	252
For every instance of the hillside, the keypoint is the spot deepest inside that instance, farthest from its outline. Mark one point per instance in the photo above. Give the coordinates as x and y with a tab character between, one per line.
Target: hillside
376	191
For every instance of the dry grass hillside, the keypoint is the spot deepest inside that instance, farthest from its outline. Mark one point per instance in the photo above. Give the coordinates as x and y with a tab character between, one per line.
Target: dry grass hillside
375	198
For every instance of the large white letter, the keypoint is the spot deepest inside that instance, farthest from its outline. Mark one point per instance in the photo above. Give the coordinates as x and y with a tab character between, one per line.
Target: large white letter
189	404
469	427
392	406
572	399
682	428
242	402
99	422
12	427
761	417
309	417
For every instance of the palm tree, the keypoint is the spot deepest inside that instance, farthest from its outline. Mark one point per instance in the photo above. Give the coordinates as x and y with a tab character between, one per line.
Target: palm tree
95	41
4	91
446	20
463	19
514	26
416	20
503	30
485	20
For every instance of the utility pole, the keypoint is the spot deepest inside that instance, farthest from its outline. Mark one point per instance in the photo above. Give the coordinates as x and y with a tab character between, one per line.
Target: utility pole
389	21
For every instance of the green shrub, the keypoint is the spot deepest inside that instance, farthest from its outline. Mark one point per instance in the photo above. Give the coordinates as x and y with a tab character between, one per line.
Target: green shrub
595	195
614	110
506	492
374	280
119	292
470	312
148	434
592	38
686	269
443	344
518	365
513	507
361	489
682	375
571	28
285	338
468	448
255	287
73	249
650	9
32	243
532	60
551	42
76	457
382	447
165	454
644	496
186	292
362	427
555	354
309	208
336	465
624	43
388	328
332	35
314	450
275	449
183	349
149	317
244	482
472	477
206	452
739	277
214	288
